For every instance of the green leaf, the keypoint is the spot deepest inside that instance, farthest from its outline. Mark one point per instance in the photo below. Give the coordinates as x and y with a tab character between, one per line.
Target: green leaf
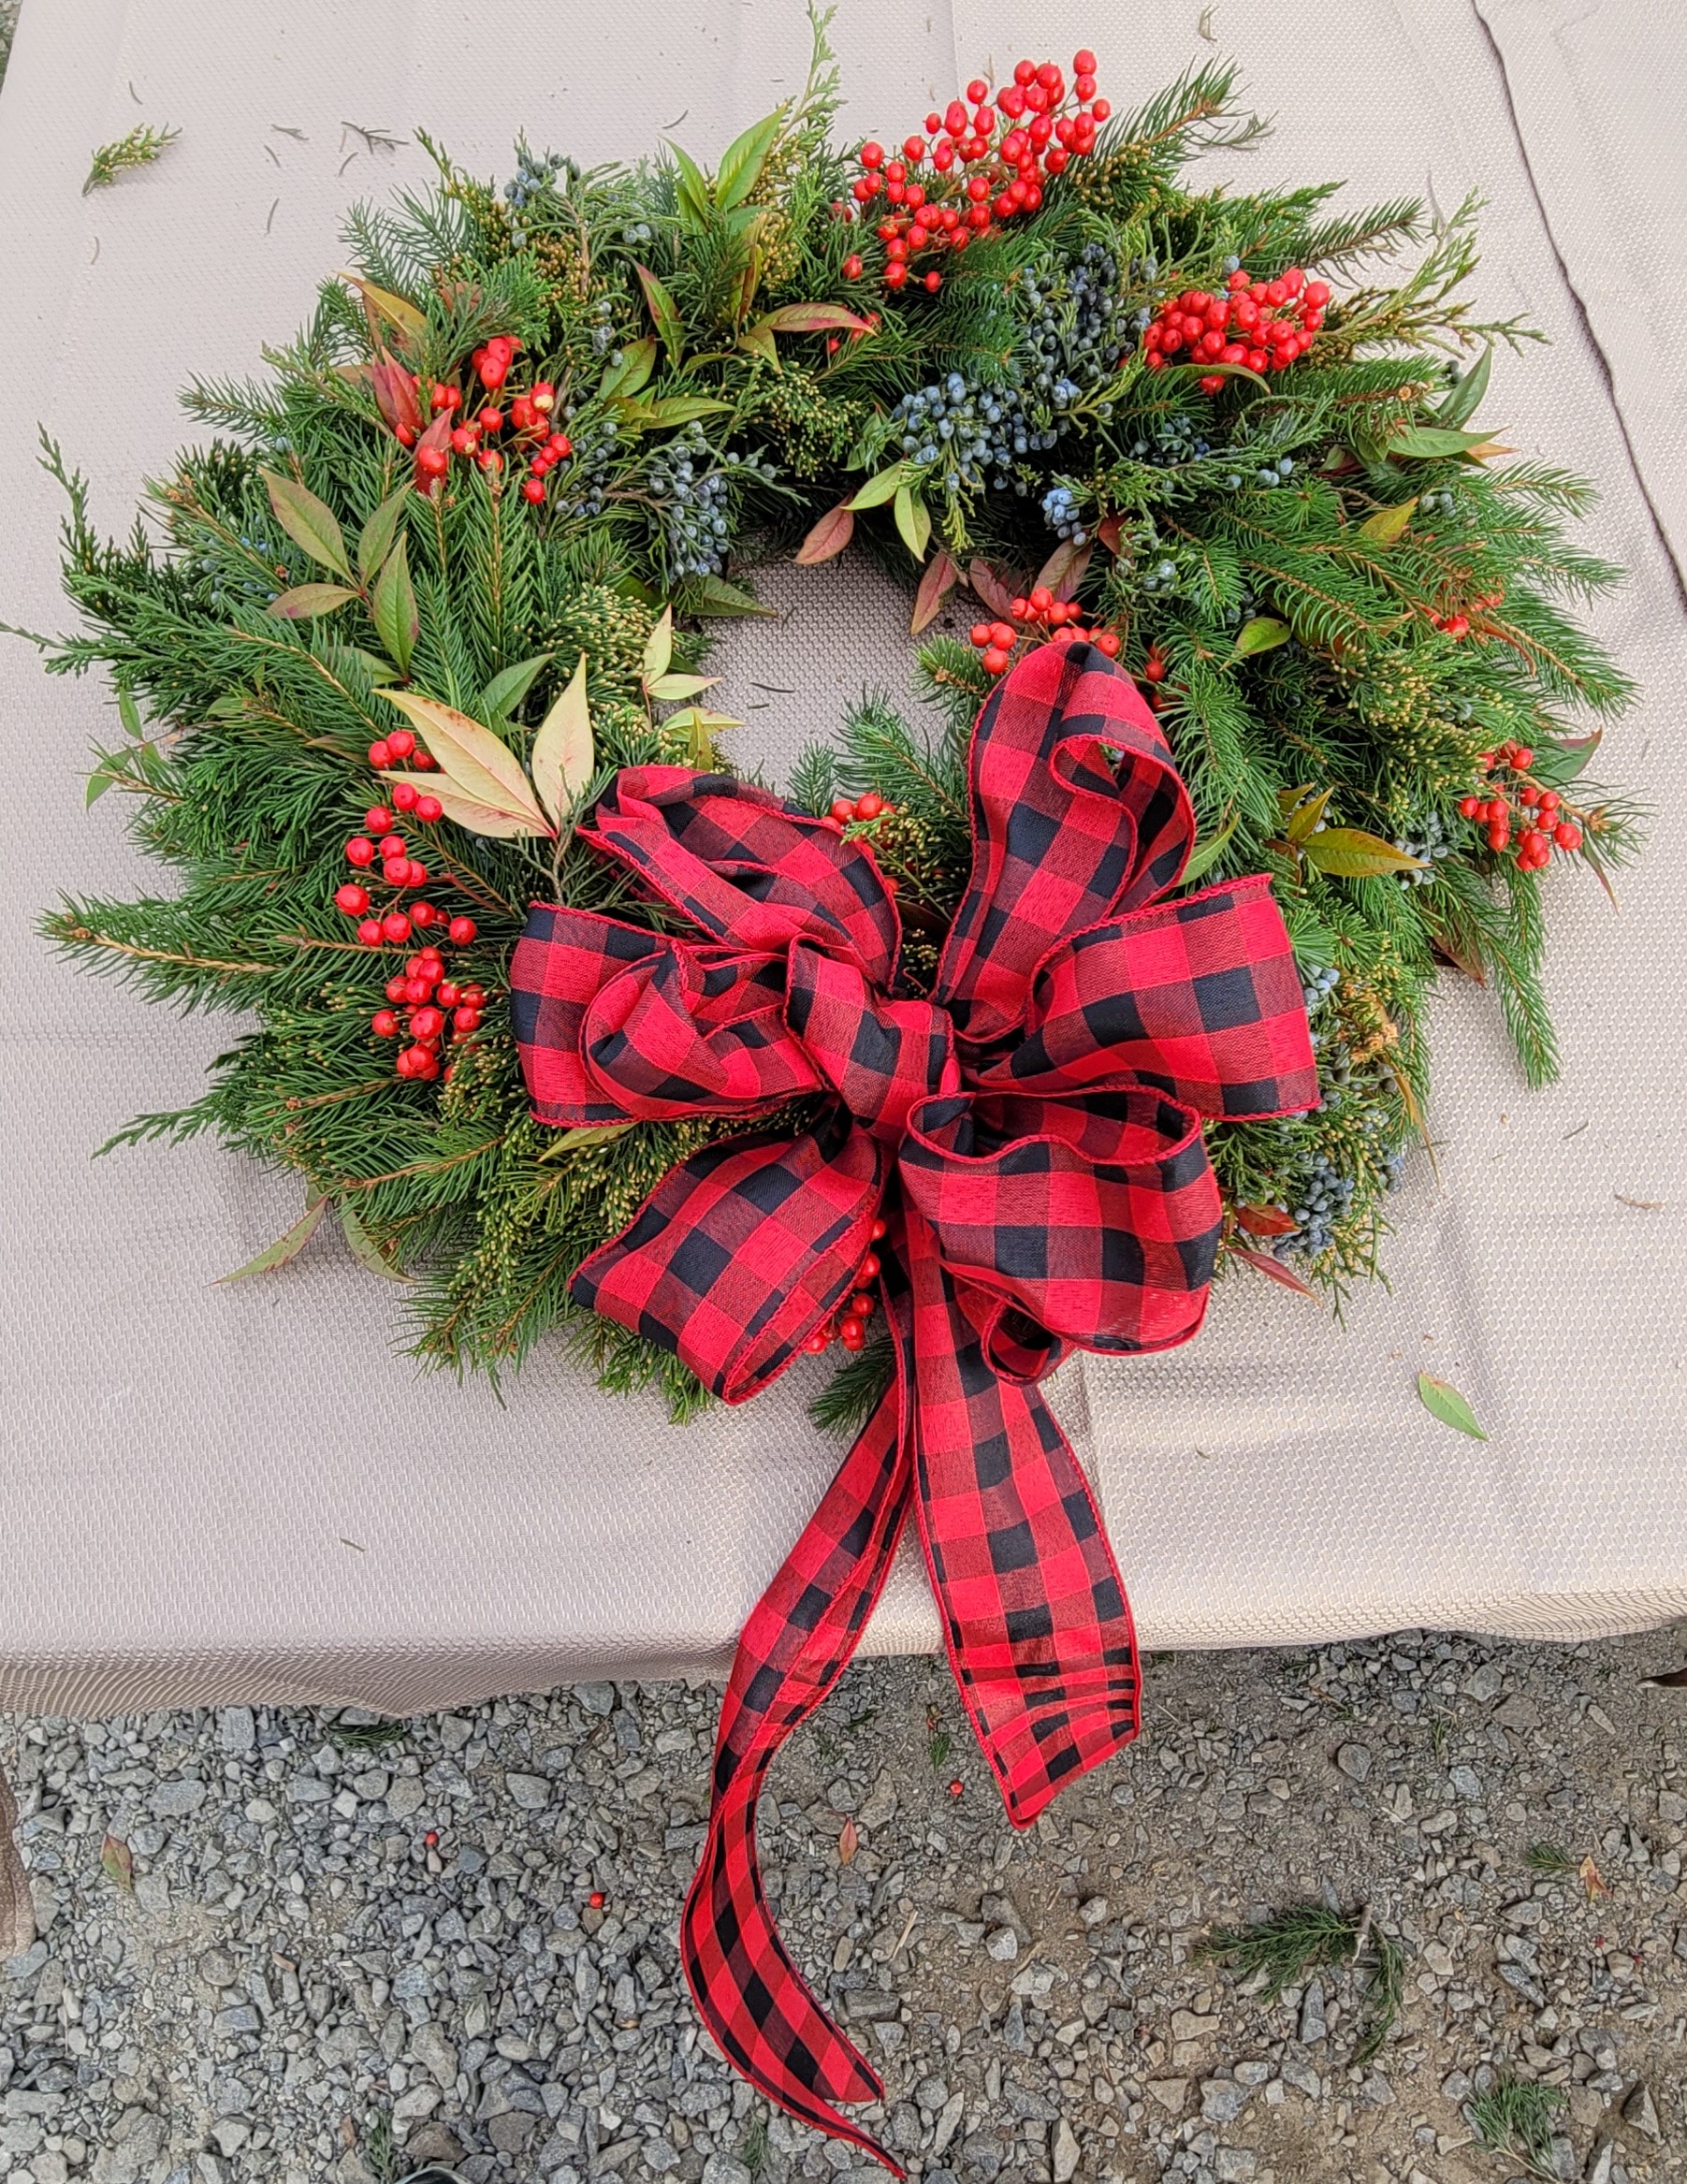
129	712
692	189
698	727
506	690
759	341
1557	763
285	1247
1347	853
1461	404
913	520
748	281
1304	820
564	757
1262	633
378	670
1442	1400
743	160
638	360
381	303
393	608
714	596
104	775
587	1134
117	1862
365	1250
1431	442
308	522
662	311
374	542
672	688
679	409
1206	854
813	318
306	601
659	648
880	489
1388	525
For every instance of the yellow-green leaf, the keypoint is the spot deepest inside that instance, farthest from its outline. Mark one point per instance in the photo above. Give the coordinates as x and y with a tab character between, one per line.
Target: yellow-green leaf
467	811
1429	442
304	602
814	318
1206	854
672	688
659	648
587	1134
638	360
1442	1400
1461	404
662	311
285	1247
714	595
402	316
375	543
393	608
506	690
485	770
692	189
830	536
563	756
365	1250
744	158
1262	633
1304	820
1388	525
307	521
913	520
700	728
679	409
1347	853
117	1861
759	341
878	490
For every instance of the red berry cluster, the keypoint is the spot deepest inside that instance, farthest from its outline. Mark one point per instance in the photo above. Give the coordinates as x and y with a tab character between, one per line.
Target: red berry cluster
850	1326
847	809
1516	814
423	988
1264	325
1044	617
471	434
958	189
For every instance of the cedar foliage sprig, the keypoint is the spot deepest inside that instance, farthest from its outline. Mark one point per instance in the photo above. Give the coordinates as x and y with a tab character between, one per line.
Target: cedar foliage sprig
1282	562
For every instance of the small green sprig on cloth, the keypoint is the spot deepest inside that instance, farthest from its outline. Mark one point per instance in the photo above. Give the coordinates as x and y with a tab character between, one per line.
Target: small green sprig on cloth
139	148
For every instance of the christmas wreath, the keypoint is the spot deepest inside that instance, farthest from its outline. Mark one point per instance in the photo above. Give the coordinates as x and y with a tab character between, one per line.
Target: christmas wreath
992	1035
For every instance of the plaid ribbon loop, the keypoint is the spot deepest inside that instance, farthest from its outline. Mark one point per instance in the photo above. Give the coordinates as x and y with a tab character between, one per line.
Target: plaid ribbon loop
1030	1133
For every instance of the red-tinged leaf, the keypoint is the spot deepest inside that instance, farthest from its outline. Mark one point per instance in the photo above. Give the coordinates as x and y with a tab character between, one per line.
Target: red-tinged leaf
118	1863
1063	571
1460	958
1262	1262
1111	531
304	602
285	1247
1593	1880
401	315
308	522
813	318
1266	1222
990	588
394	394
1443	1401
849	1843
939	581
830	535
437	435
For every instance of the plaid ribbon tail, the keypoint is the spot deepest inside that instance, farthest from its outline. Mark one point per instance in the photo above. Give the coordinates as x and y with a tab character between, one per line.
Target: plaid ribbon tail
1035	1618
795	1647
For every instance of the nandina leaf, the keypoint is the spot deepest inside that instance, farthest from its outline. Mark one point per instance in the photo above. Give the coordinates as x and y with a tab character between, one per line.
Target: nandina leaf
744	158
692	189
698	727
939	581
1431	443
466	811
1263	632
1111	531
307	521
1266	1222
672	688
749	280
507	689
563	757
663	312
381	303
1388	525
638	360
849	1843
393	608
1347	852
990	588
913	520
437	435
1206	854
304	602
118	1863
674	408
1304	820
1594	1883
285	1247
1461	404
829	536
880	489
365	1250
483	770
1063	571
589	1134
759	341
1556	763
396	395
714	595
374	542
659	648
1442	1400
1264	1263
813	318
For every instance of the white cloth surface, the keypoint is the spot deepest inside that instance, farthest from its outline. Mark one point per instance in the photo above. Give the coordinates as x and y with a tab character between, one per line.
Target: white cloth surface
211	1494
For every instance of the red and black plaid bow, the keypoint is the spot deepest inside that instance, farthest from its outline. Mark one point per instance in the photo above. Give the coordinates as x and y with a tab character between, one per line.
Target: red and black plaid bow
1031	1133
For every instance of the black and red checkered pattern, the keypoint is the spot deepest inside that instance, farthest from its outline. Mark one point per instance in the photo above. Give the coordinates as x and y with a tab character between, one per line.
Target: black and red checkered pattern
1030	1134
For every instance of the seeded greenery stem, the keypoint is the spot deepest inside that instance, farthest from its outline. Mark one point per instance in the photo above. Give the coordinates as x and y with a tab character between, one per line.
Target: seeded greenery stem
1283	564
139	148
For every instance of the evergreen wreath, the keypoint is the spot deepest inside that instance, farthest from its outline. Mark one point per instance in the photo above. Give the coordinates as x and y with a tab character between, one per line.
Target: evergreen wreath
454	562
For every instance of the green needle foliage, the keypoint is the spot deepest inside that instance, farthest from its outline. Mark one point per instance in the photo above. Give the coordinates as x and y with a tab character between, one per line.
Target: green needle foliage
1293	1944
1280	560
1515	2117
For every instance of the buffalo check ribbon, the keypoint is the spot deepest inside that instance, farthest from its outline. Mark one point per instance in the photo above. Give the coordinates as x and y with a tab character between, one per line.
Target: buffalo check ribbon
1030	1133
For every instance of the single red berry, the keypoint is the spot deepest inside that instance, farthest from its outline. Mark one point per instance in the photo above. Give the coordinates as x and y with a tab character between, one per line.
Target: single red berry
956	1787
861	1305
378	820
423	915
465	1020
427	1023
872	154
876	1231
843	810
380	755
1567	834
414	1061
869	806
1498	834
1108	644
869	1267
995	659
595	1900
534	490
396	988
385	1023
394	845
414	875
360	851
820	1340
853	1335
980	634
396	925
460	931
352	899
852	267
404	796
404	1066
1522	758
416	989
401	743
1153	668
369	933
1469	806
428	809
449	994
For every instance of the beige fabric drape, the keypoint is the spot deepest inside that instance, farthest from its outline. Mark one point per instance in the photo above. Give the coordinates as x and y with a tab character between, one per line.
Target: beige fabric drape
211	1494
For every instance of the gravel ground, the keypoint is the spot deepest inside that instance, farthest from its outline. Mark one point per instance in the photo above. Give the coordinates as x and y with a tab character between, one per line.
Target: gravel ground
291	1946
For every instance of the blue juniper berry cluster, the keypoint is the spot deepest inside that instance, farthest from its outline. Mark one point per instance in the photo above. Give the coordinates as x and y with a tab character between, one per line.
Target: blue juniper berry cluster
690	483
